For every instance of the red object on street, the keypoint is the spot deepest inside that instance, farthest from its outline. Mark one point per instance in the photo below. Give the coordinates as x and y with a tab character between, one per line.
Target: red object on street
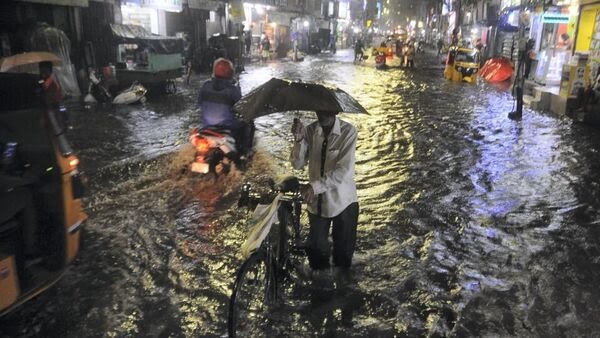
497	69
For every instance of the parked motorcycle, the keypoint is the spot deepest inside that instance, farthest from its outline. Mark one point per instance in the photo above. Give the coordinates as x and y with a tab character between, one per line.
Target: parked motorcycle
136	92
97	91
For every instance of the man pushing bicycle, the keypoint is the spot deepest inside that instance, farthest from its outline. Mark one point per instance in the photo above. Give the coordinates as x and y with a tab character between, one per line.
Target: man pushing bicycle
329	146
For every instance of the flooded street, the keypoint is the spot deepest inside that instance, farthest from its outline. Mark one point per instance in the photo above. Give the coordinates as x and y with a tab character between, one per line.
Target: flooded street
470	224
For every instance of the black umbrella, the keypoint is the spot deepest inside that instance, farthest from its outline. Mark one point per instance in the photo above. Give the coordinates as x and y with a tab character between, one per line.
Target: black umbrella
277	95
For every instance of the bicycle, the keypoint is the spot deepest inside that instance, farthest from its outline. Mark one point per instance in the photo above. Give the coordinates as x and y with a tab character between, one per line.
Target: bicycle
256	286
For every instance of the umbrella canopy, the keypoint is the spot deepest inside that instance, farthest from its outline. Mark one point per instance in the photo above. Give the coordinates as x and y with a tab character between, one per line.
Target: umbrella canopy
27	62
497	69
277	95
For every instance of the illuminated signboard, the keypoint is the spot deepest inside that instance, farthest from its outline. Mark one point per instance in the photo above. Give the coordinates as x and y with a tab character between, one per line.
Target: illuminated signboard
555	18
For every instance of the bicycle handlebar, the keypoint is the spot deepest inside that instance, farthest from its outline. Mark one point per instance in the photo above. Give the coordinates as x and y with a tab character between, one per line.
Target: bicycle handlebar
288	186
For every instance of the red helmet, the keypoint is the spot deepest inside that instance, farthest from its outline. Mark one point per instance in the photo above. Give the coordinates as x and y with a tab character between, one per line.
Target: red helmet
223	68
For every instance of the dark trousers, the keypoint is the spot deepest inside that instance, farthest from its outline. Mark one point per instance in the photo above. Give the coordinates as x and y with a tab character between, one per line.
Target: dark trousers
344	238
243	134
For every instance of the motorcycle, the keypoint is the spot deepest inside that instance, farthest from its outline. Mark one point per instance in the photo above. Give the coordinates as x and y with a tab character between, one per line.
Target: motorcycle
136	92
215	150
97	91
380	60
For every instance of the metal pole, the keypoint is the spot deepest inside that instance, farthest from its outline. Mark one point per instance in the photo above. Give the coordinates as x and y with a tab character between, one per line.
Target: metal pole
519	83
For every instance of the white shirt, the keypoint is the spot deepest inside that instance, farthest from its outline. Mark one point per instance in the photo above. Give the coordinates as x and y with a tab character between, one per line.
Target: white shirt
596	85
337	184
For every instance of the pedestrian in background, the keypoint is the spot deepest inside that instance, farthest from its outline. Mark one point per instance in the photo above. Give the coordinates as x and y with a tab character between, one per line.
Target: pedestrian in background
53	94
329	146
248	41
265	45
359	51
529	57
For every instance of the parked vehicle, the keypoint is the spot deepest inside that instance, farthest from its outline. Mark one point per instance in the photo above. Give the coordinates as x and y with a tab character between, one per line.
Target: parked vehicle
40	237
97	92
146	58
462	64
135	93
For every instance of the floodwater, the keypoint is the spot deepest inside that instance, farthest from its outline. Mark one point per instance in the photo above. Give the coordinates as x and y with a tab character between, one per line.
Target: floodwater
471	224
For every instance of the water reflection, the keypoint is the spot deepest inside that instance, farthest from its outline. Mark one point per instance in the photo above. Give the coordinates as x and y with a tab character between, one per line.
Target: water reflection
471	224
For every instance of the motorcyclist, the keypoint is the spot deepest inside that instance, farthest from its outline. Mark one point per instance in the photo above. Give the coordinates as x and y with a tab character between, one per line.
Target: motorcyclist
216	99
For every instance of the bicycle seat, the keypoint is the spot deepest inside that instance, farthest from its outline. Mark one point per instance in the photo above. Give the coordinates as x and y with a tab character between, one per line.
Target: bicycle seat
288	184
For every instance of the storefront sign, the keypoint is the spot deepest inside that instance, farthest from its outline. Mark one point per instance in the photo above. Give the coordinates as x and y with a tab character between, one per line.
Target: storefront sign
236	11
207	5
555	18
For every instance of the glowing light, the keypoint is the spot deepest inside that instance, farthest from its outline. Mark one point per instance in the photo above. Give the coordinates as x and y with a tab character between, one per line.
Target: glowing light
201	145
306	23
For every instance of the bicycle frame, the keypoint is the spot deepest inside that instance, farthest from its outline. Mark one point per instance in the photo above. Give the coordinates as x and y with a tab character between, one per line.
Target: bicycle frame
273	252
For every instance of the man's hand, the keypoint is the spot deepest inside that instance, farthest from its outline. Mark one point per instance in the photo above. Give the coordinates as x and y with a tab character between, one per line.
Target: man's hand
298	130
308	194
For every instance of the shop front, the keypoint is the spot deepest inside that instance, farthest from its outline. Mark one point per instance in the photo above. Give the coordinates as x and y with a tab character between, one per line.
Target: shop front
552	32
150	14
588	35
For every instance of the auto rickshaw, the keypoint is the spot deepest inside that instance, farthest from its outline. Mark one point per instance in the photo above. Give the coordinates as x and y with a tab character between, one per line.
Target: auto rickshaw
462	64
40	193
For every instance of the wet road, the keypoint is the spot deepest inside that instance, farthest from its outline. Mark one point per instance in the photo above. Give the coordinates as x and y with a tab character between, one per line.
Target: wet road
471	224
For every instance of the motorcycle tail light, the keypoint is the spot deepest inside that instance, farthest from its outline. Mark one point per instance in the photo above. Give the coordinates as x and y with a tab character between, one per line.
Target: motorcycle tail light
201	145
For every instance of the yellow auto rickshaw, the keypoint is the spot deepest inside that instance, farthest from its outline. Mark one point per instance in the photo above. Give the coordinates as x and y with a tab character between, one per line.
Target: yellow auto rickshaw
462	64
40	193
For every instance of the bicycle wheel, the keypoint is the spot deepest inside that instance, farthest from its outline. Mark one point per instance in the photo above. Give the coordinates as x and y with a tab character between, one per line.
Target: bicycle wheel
284	235
253	292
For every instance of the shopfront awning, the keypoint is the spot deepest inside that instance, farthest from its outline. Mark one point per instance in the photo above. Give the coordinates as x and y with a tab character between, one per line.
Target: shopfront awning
133	34
75	3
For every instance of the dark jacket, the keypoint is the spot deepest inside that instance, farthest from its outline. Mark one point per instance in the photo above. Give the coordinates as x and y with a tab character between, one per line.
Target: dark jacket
216	99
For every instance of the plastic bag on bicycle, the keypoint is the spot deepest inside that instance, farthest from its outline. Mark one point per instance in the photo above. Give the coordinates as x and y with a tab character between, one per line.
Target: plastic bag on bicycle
262	220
